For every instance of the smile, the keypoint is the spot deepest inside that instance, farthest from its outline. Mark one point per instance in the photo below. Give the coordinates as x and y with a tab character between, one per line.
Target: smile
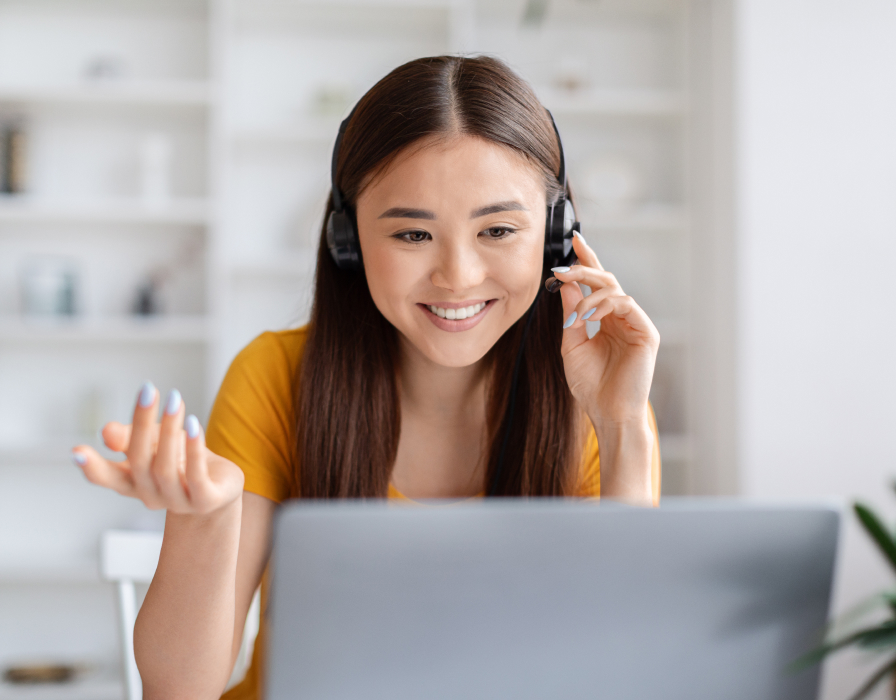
457	318
459	314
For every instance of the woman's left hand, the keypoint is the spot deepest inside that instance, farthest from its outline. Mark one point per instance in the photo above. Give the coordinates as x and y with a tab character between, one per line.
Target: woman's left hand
609	374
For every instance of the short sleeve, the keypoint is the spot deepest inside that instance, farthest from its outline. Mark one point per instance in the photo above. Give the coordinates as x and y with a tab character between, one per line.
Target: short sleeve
589	486
252	420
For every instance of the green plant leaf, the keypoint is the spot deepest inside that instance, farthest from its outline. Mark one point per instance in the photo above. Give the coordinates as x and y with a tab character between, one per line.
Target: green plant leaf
842	624
879	639
872	682
878	532
870	633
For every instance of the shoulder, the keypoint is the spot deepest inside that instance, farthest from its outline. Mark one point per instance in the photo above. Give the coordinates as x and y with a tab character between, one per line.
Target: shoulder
273	350
252	422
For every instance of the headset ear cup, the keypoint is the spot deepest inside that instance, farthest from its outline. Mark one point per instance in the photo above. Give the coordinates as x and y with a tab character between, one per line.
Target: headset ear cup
342	241
561	218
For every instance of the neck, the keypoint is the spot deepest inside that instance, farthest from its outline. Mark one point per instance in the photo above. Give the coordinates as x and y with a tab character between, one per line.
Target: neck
438	393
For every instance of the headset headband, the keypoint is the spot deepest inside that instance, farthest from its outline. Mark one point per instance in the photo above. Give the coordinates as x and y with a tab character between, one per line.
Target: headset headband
561	176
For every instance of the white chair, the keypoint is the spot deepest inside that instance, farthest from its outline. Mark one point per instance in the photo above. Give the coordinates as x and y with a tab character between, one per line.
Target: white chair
128	557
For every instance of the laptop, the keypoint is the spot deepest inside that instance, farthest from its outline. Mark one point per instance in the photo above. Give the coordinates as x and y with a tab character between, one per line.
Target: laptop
548	599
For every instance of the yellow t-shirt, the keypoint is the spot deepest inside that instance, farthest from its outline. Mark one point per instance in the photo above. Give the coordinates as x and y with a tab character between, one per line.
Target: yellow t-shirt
252	423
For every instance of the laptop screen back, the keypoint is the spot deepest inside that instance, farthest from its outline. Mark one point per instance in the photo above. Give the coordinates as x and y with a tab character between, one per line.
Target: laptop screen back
548	599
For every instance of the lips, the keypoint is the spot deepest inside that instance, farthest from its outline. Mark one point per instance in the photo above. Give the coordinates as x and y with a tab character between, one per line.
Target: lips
480	309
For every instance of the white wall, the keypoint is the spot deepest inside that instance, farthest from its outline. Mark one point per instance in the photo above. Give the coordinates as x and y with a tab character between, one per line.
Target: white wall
817	245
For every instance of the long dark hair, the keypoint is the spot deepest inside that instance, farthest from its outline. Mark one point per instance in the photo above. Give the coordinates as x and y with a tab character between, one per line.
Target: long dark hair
347	400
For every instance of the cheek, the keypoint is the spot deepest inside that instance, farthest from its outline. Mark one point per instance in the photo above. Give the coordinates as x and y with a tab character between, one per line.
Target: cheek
520	272
390	277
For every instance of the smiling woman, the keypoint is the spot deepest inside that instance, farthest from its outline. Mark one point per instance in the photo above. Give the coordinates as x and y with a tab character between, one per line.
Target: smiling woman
433	364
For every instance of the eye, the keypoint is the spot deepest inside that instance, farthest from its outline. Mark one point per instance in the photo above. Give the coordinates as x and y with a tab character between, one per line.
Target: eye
496	233
413	236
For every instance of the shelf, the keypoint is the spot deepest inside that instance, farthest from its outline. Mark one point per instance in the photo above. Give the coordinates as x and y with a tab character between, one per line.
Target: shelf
309	134
620	102
189	212
88	688
292	265
168	93
49	452
336	6
675	447
86	572
111	329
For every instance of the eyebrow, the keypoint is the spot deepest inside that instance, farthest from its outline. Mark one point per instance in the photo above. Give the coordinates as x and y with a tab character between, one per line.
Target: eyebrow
498	207
408	213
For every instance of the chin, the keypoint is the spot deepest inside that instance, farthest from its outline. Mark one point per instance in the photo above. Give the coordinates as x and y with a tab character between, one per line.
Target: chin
454	352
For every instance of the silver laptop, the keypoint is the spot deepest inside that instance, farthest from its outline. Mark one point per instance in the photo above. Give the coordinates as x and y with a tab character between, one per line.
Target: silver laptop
548	599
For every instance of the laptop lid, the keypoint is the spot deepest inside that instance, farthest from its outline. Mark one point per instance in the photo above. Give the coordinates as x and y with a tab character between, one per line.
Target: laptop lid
548	599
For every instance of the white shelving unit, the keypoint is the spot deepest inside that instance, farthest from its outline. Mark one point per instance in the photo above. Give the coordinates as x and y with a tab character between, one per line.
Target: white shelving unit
60	378
187	212
145	93
250	94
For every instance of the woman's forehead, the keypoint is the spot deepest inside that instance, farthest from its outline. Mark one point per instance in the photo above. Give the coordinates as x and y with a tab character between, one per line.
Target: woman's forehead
459	166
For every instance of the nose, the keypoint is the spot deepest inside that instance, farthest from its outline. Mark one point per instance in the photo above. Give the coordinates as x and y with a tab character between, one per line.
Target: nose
458	267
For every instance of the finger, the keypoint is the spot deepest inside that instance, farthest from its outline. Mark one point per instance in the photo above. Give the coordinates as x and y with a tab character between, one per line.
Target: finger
116	436
586	308
573	334
584	252
142	444
591	276
626	309
199	486
103	472
166	471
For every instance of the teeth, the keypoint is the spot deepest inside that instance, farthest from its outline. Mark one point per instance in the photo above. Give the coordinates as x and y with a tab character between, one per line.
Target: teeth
458	314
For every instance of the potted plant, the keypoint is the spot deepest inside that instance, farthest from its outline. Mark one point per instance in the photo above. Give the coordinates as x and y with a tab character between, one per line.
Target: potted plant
852	630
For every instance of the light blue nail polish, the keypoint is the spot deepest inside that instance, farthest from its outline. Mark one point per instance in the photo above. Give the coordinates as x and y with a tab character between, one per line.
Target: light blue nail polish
589	314
147	395
79	459
580	237
192	426
560	269
569	321
173	404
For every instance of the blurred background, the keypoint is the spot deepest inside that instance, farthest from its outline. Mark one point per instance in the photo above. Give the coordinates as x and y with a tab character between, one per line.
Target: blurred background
164	168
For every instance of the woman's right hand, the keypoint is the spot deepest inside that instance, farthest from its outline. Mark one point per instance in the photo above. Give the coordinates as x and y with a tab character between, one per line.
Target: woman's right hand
167	464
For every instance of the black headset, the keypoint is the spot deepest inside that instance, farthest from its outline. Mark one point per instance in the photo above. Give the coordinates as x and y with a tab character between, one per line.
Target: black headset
342	230
345	249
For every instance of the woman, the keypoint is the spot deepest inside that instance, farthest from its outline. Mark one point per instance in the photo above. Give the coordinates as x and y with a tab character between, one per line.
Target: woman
446	167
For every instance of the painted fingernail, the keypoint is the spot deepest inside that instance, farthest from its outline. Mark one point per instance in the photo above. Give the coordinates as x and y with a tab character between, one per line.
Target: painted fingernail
569	321
560	269
173	405
192	426
589	314
147	395
79	459
580	237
